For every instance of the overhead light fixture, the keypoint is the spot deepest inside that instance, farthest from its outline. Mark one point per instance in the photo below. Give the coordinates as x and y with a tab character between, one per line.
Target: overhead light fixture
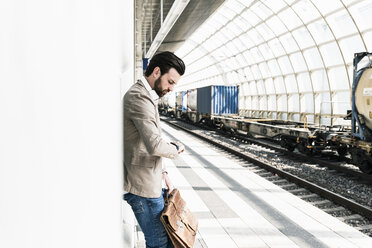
172	16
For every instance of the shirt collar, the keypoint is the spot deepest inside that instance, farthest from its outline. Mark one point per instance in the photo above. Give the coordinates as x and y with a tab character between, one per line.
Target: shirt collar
152	92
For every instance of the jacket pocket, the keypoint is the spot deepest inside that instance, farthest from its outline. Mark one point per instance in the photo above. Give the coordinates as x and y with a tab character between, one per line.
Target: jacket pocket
144	160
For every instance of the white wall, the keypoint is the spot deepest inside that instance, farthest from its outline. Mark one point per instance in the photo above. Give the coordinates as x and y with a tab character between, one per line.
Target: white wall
61	121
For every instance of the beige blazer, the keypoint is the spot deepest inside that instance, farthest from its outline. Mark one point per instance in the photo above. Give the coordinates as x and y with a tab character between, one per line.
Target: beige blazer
143	145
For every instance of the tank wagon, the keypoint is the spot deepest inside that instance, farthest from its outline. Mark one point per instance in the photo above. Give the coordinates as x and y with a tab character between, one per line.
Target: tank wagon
217	106
167	104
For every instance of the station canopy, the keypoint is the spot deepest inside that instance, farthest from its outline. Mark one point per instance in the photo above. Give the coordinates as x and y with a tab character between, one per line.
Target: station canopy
292	60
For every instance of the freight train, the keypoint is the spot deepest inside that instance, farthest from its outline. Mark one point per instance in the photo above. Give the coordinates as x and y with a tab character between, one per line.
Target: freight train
217	106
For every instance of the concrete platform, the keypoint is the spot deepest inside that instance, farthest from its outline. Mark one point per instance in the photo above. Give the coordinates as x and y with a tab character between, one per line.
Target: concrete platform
238	209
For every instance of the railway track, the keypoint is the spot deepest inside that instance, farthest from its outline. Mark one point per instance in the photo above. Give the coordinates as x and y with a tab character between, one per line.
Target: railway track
348	210
355	174
332	162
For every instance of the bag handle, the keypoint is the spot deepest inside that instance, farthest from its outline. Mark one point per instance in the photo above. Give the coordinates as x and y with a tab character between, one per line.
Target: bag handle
167	196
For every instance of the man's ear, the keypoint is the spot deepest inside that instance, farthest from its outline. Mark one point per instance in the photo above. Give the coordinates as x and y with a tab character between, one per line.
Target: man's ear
156	72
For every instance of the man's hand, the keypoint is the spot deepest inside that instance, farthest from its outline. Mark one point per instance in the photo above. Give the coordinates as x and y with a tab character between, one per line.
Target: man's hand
168	182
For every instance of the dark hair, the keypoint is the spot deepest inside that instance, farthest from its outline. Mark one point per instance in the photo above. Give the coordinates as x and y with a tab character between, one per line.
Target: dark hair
165	61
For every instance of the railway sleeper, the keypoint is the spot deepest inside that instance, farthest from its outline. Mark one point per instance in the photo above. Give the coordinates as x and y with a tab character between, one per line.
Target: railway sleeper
334	209
364	228
351	217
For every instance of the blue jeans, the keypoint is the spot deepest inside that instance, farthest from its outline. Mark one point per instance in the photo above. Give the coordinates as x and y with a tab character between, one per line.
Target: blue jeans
147	212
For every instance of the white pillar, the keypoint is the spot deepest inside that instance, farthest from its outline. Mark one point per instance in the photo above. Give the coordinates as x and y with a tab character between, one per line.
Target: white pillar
61	121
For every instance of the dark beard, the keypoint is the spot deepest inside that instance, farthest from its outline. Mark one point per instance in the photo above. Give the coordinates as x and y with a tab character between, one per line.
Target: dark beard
158	88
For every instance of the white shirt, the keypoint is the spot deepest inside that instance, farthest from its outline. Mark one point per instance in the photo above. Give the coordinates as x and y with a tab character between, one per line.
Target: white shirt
152	92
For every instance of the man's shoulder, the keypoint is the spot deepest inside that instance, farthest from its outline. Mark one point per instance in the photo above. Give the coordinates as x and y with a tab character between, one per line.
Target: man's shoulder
136	91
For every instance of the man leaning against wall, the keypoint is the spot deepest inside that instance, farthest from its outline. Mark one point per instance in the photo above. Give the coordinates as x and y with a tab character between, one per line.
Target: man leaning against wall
144	146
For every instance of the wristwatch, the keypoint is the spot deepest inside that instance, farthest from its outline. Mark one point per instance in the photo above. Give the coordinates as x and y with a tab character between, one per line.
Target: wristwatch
177	147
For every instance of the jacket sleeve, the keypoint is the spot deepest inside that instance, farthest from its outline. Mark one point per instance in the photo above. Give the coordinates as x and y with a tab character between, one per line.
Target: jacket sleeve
141	111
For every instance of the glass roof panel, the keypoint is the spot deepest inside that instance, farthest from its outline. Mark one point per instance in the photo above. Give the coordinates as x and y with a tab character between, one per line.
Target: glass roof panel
210	45
276	47
257	55
282	105
241	75
351	45
184	49
291	84
264	70
248	74
320	31
261	87
303	38
320	81
271	103
347	2
265	31
343	103
367	36
246	2
241	23
239	44
250	17
232	48
290	19
307	104
326	6
248	57
288	42
362	13
338	78
235	29
279	85
266	51
255	36
227	12
222	37
275	5
331	54
220	18
269	85
236	6
341	24
261	10
227	32
313	59
289	2
276	25
304	83
274	67
218	39
252	88
285	65
256	72
298	62
246	40
198	37
293	105
241	60
306	10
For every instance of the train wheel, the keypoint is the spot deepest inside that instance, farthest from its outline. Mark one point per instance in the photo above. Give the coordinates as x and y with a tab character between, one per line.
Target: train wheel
287	145
342	151
302	147
365	167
